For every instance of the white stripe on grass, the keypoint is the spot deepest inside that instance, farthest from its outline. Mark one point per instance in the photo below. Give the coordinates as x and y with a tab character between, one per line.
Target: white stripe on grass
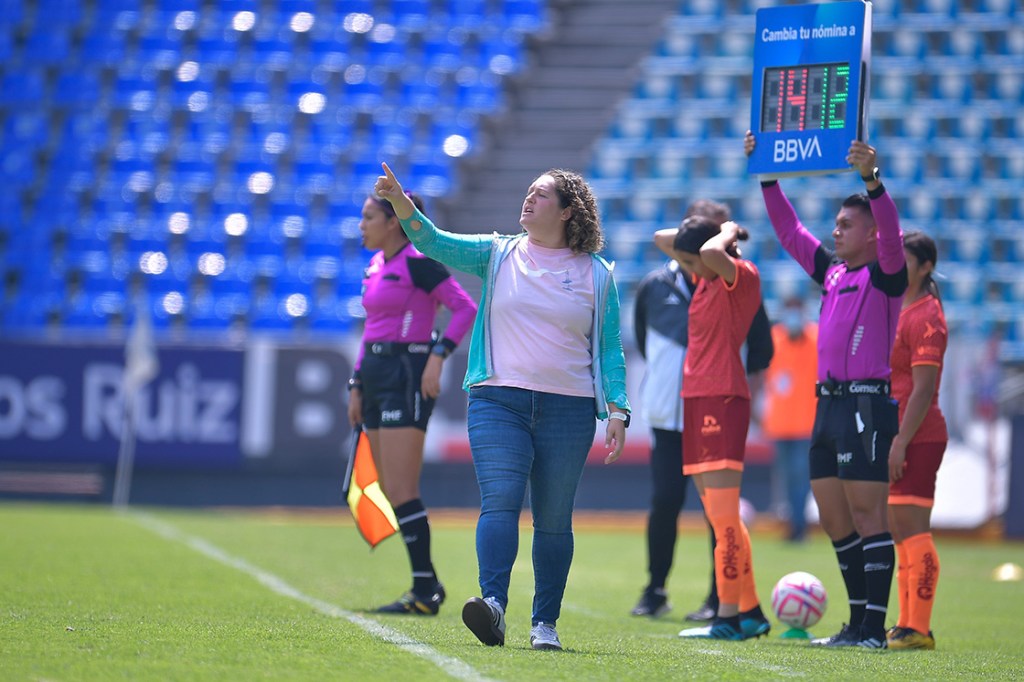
451	666
780	670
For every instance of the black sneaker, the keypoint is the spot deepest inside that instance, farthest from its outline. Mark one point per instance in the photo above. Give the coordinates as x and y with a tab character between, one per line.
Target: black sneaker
705	613
847	636
873	640
652	603
486	619
417	605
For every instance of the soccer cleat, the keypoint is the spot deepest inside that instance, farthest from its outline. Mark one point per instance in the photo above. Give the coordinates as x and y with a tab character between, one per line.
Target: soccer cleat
417	605
753	628
486	619
847	636
907	638
704	613
875	641
544	636
719	629
652	603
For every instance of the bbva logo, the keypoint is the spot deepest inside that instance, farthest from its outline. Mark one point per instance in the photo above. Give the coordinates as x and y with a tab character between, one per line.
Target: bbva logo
793	149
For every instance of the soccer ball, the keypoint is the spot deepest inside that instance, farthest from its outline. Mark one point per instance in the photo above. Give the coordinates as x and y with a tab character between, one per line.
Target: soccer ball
799	600
748	513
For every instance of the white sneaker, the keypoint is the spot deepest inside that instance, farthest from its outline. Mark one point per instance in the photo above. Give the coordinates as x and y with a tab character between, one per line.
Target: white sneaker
486	619
544	636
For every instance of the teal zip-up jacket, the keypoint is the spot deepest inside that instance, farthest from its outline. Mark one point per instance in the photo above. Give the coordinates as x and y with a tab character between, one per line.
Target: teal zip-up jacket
482	255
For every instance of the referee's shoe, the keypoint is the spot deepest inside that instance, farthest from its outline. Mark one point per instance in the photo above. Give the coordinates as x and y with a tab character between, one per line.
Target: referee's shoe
847	636
415	604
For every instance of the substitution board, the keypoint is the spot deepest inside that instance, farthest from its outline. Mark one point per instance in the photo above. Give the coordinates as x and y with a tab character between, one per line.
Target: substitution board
810	85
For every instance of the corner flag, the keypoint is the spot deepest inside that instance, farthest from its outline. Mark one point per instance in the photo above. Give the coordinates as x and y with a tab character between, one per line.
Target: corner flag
140	367
374	516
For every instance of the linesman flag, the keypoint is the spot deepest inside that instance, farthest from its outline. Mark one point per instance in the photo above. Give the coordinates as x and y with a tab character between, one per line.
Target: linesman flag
374	516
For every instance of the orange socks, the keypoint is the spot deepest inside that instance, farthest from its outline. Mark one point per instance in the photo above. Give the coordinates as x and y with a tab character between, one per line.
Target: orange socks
748	589
732	553
903	584
923	576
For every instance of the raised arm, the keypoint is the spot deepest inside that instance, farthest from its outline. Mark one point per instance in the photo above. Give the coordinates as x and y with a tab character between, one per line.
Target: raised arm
466	252
794	237
891	259
664	239
715	251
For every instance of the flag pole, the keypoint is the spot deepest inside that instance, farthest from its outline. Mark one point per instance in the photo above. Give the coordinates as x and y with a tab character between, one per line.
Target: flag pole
141	365
125	454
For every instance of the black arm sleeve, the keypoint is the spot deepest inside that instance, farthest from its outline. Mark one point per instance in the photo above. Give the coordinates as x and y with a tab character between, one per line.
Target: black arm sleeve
823	260
427	273
891	285
760	348
640	317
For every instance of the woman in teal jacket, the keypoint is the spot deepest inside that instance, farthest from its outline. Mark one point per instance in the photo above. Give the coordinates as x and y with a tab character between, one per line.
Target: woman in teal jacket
545	358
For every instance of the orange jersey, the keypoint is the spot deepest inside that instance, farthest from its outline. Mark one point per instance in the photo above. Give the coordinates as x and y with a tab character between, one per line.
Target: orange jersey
789	398
921	338
720	317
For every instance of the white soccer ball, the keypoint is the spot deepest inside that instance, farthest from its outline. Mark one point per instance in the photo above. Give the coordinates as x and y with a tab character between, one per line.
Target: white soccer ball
748	513
799	600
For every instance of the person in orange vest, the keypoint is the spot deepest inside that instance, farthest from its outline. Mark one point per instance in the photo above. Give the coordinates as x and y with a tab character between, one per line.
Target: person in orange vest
789	406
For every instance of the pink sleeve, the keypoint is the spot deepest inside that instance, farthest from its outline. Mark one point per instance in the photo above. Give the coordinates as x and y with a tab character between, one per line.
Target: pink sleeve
359	355
794	237
891	258
455	298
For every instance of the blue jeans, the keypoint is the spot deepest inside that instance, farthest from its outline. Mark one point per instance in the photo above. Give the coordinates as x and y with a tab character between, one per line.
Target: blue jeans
792	462
517	436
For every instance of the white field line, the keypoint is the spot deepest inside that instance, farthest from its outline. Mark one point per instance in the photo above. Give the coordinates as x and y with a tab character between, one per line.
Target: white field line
451	666
780	670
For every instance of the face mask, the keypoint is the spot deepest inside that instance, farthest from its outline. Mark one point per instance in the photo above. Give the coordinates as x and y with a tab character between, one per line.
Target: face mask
793	320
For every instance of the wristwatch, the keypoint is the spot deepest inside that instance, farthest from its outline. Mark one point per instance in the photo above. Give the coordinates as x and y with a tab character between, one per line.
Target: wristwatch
440	350
623	417
874	175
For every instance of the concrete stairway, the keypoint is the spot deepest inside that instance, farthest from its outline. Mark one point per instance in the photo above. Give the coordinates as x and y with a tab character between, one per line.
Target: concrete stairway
565	100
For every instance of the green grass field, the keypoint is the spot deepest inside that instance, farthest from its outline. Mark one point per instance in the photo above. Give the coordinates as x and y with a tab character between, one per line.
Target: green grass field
92	594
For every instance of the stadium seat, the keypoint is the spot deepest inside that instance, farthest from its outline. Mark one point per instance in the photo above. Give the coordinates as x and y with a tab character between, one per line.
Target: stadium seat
22	88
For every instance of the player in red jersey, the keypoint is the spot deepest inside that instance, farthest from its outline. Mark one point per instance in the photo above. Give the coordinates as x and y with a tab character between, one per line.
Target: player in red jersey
716	409
917	449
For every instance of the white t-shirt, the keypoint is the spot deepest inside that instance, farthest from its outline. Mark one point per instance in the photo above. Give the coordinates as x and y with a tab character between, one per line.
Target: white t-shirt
542	315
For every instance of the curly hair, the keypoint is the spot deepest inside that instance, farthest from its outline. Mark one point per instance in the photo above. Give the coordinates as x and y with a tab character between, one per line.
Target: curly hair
583	230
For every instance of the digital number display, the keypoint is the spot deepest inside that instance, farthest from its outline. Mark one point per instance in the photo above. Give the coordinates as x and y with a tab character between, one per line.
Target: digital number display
805	97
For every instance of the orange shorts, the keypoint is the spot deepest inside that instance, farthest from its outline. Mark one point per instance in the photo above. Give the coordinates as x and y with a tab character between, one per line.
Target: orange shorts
917	487
714	433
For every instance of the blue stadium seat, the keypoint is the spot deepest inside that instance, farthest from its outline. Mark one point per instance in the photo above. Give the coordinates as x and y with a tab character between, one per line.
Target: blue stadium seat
469	15
441	53
22	88
12	13
502	56
331	316
267	314
364	94
53	14
525	16
6	43
204	316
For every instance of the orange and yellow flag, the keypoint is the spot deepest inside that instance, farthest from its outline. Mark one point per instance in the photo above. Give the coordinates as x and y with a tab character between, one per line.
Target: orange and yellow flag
374	516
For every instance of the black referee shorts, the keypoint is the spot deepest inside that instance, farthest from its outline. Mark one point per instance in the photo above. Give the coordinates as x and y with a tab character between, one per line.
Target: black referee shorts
852	436
391	391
